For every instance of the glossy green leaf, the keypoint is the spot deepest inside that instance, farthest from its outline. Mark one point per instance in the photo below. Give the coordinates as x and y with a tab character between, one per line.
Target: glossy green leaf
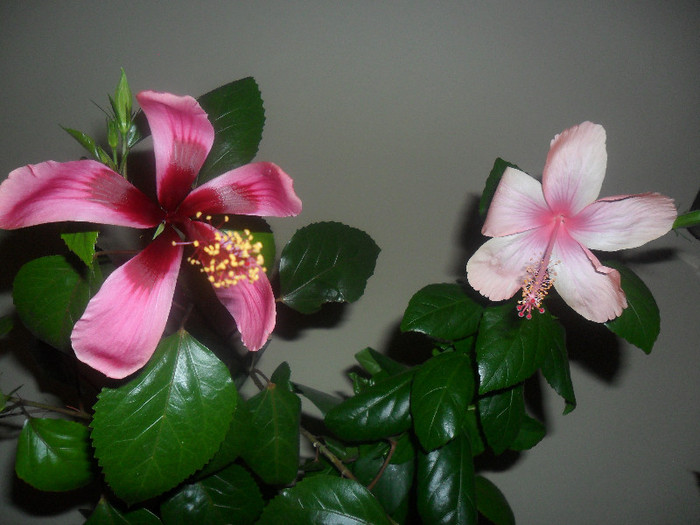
282	375
501	415
153	432
229	496
237	114
555	366
472	429
238	438
445	488
106	514
531	432
50	295
54	454
492	503
323	401
442	311
380	411
324	500
509	349
276	414
375	363
499	166
640	322
442	389
82	244
325	262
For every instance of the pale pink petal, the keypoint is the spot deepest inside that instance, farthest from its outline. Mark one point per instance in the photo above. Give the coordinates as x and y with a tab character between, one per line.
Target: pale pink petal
260	188
252	306
575	168
588	287
624	221
518	205
82	190
182	138
123	323
499	267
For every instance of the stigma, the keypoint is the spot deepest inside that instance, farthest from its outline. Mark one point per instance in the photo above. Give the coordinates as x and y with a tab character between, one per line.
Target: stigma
229	258
535	288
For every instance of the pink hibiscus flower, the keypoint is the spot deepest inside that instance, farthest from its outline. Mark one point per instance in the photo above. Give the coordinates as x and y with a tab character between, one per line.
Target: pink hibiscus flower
124	321
543	233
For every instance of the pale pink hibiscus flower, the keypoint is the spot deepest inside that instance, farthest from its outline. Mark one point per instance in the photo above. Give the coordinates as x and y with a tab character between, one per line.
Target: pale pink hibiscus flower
543	234
124	321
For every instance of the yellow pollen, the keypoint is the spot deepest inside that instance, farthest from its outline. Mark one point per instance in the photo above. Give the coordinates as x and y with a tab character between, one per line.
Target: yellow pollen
536	285
231	257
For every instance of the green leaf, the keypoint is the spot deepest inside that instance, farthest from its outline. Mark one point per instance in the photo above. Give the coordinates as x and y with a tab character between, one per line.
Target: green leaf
281	376
82	244
326	262
92	147
324	402
445	489
106	514
50	296
501	414
237	114
442	389
7	323
640	322
324	499
509	349
231	495
276	414
54	454
492	503
499	167
380	411
238	438
531	432
156	430
555	366
375	363
442	311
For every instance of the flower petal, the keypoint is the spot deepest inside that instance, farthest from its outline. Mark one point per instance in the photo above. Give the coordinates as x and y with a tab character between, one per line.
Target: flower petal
588	287
624	221
82	190
182	138
498	268
517	205
260	188
123	323
252	306
575	168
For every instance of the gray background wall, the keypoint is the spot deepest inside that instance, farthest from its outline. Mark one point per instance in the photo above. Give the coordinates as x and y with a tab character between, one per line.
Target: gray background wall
389	116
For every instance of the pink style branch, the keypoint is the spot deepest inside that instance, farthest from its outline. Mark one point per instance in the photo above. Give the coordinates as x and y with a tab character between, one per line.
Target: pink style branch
162	431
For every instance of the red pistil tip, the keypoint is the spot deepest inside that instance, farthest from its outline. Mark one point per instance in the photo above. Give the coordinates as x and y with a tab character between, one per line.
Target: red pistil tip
535	288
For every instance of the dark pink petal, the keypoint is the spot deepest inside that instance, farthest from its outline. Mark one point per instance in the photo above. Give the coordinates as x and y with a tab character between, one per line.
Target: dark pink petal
591	289
182	138
624	221
499	267
82	190
252	306
517	205
123	323
260	188
575	168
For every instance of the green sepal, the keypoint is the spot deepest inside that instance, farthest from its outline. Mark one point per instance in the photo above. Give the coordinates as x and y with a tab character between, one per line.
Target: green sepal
159	428
229	496
640	322
501	415
122	104
82	244
325	262
442	389
499	167
687	220
491	503
106	514
54	455
380	411
443	311
324	499
50	295
446	487
276	414
237	114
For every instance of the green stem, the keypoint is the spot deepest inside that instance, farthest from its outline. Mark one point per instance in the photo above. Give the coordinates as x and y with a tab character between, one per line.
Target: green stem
323	449
687	220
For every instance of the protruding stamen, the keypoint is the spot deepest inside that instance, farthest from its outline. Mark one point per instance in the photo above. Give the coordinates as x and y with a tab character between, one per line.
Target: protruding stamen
229	258
535	288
